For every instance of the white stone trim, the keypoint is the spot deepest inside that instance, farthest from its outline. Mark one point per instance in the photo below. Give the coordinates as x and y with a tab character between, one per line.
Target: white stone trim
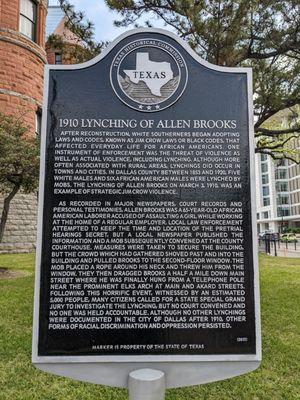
19	43
20	95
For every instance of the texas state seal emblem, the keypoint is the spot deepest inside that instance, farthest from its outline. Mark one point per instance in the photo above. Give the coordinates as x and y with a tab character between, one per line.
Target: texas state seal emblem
148	75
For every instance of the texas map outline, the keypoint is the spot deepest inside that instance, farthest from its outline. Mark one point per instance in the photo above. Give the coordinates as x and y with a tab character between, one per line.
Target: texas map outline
155	74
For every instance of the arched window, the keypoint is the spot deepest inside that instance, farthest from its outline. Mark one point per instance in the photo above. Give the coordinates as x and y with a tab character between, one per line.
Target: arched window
28	18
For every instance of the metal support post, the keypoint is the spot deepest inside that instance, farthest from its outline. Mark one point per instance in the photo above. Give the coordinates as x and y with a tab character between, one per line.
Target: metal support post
146	384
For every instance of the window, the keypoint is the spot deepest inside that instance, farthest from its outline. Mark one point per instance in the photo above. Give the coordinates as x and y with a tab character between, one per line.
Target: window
281	163
281	186
58	58
38	122
266	214
28	18
263	157
266	201
283	212
266	191
281	174
283	199
265	179
264	168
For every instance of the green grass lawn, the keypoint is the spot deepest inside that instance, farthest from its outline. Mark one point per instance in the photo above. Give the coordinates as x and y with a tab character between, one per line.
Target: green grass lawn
277	379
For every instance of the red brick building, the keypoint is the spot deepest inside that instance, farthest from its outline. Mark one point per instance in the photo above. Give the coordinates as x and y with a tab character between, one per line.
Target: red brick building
56	25
22	60
23	56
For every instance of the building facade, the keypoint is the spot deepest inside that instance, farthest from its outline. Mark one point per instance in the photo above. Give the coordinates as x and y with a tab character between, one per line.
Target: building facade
70	45
23	57
277	193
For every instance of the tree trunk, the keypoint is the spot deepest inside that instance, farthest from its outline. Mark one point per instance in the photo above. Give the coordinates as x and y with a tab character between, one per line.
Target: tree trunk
6	204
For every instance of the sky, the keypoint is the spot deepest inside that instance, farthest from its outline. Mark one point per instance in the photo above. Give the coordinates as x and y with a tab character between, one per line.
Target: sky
97	12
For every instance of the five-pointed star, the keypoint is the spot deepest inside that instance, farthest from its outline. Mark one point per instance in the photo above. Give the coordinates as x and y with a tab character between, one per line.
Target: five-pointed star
157	106
140	107
148	107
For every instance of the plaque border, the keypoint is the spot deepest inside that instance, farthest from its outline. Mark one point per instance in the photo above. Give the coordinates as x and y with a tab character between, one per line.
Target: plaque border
112	369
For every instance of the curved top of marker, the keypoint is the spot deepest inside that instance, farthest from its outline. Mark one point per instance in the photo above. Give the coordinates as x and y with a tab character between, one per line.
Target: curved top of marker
131	32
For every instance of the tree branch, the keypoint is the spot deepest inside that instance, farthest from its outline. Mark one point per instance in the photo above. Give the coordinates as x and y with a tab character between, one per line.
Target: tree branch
271	133
277	145
281	50
277	156
269	113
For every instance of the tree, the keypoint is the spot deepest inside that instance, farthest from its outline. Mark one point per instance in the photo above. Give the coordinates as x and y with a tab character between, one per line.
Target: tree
19	162
83	46
262	34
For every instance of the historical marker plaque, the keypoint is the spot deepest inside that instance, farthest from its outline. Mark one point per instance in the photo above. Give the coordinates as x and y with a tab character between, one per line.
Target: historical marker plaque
146	226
